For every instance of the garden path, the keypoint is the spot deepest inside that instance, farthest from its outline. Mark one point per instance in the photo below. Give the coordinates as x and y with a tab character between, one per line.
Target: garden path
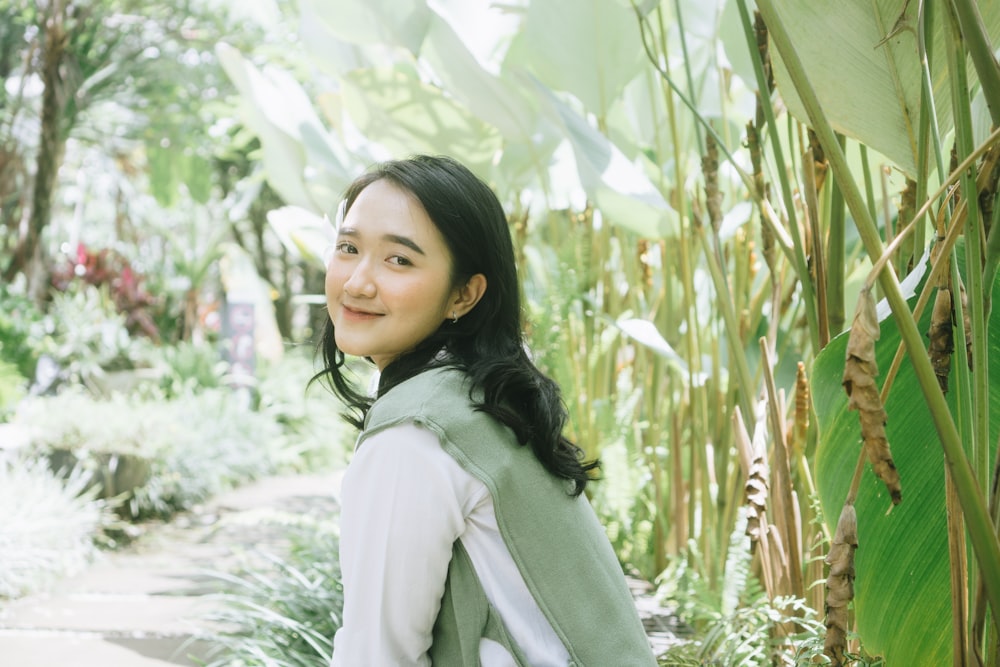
140	607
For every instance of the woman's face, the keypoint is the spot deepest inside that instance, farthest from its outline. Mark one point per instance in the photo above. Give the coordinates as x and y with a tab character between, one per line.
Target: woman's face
388	282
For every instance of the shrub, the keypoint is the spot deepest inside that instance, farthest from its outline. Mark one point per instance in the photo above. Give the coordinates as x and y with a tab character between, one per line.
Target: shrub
315	434
48	526
189	368
87	337
193	446
111	271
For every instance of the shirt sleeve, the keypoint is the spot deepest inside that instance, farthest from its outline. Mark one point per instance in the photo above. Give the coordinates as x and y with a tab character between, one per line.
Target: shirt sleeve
403	504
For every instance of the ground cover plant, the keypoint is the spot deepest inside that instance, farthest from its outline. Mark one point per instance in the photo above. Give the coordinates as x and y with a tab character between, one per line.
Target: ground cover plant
283	610
51	525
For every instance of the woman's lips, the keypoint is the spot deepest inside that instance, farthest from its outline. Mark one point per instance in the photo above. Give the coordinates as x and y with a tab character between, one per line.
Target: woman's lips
359	315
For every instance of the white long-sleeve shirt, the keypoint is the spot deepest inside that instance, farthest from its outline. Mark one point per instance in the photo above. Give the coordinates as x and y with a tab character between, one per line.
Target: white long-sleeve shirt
404	502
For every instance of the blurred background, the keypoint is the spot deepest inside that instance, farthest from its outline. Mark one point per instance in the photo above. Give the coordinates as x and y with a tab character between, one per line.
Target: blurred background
698	192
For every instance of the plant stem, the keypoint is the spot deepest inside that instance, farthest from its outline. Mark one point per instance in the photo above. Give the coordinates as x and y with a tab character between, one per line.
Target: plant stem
782	476
799	257
983	537
835	258
687	66
766	212
977	42
979	435
737	355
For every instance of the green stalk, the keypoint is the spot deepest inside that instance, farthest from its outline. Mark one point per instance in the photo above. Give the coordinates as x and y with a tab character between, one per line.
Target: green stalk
992	256
983	537
835	255
737	355
687	62
973	253
799	257
929	131
964	400
696	406
733	162
977	42
866	172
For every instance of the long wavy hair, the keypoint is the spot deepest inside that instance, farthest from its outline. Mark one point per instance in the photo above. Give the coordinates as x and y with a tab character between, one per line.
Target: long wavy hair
487	343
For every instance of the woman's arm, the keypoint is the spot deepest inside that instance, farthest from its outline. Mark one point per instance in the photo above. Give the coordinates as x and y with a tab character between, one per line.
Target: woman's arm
404	502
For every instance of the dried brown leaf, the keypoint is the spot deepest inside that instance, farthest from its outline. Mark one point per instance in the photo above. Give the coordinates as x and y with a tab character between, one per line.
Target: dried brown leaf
756	494
840	584
710	170
941	335
860	369
819	157
800	427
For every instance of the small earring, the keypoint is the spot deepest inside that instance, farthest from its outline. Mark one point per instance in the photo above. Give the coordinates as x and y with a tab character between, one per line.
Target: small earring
454	317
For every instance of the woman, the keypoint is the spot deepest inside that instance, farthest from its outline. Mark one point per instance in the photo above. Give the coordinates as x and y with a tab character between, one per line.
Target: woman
465	537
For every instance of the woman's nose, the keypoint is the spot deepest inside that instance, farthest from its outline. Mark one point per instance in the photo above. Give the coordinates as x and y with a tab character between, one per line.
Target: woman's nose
360	282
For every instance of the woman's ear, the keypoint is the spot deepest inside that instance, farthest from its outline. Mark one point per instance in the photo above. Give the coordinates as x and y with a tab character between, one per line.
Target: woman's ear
468	295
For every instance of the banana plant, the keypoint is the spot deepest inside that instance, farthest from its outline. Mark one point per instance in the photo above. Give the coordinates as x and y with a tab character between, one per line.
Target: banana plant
909	63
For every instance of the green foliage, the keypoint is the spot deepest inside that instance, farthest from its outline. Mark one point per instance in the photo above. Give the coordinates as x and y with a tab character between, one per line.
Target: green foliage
12	387
910	543
194	446
183	436
886	71
315	436
220	445
49	525
20	324
283	614
87	336
737	625
186	368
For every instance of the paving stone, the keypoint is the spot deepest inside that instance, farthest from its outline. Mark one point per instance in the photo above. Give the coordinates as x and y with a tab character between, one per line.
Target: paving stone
63	649
127	577
152	614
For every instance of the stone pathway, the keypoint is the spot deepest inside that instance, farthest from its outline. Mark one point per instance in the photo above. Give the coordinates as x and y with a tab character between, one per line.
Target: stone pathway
139	607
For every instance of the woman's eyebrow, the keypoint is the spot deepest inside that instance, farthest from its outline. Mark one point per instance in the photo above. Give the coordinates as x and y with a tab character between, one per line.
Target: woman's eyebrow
404	241
391	238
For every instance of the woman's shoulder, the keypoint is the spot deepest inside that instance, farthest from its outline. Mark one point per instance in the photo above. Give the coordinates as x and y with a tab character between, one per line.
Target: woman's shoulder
430	391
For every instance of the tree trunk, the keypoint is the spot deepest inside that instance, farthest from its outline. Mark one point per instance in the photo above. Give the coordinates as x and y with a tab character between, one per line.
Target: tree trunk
51	147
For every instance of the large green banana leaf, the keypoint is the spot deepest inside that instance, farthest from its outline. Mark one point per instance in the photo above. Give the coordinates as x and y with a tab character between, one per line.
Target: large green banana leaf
304	163
870	88
400	22
393	106
590	48
902	590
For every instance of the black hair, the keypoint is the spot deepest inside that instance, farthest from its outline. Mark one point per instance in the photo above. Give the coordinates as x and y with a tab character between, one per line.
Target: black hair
487	342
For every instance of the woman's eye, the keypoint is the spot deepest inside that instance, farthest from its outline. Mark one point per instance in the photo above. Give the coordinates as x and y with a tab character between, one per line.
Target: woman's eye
346	247
399	261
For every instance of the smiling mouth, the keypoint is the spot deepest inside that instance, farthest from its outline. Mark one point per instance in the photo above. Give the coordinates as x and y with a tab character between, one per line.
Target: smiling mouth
355	312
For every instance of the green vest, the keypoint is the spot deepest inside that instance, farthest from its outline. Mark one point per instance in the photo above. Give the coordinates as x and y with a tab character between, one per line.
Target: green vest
555	539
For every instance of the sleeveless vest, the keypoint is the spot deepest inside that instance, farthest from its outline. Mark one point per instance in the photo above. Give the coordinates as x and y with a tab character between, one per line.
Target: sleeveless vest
555	539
